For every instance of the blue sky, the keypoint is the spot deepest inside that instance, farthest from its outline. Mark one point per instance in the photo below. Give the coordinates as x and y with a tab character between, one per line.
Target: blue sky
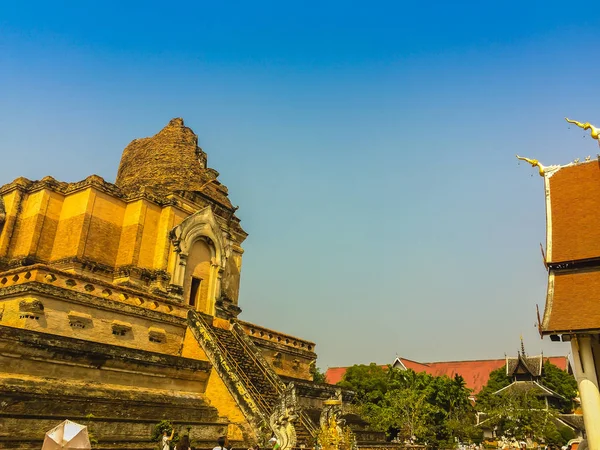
370	147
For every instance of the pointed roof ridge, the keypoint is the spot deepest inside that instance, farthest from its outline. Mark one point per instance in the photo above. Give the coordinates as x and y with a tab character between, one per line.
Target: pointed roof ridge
463	360
545	389
532	364
401	358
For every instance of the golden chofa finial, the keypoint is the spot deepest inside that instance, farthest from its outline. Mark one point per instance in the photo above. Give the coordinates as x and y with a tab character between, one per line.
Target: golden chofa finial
586	126
534	163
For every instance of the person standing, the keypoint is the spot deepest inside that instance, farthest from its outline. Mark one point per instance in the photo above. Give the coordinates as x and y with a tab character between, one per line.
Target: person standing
220	444
165	440
184	443
274	444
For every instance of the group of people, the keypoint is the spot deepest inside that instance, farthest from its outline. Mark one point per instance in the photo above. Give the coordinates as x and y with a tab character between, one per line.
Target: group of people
184	443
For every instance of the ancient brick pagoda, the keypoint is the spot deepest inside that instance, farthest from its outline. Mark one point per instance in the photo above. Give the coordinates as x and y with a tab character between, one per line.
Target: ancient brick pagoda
121	301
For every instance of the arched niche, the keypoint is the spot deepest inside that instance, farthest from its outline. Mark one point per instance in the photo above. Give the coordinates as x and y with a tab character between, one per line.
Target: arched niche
200	259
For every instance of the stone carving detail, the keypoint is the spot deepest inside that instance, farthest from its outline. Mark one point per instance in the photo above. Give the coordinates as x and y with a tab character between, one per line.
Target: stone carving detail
175	290
157	335
200	225
120	328
31	305
31	309
332	409
283	417
594	132
79	320
226	308
278	360
231	276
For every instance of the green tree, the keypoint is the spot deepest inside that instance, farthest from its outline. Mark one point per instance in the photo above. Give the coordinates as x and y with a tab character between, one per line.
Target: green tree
498	380
317	374
410	405
456	413
521	412
562	383
406	413
369	382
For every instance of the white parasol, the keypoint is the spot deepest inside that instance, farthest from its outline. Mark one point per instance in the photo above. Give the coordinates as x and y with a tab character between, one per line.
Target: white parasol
67	435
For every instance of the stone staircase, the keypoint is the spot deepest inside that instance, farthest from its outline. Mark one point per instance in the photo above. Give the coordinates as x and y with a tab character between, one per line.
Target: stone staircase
268	394
248	376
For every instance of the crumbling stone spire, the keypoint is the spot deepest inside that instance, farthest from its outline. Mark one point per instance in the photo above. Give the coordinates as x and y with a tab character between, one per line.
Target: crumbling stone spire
166	162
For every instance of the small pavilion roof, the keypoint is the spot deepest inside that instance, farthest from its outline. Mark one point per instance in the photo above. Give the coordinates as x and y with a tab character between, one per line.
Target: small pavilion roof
531	364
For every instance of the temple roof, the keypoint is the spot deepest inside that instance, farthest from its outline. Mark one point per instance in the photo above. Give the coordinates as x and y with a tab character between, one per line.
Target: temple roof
475	373
572	302
573	212
573	247
530	364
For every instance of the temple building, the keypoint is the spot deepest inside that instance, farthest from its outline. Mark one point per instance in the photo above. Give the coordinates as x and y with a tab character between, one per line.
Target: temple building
476	373
572	258
119	309
526	375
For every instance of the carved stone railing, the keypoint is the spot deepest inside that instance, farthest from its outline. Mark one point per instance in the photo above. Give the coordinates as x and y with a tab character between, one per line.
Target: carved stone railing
276	337
80	284
258	357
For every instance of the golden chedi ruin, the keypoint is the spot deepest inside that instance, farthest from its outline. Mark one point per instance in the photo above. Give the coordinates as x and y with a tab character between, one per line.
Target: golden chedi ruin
119	309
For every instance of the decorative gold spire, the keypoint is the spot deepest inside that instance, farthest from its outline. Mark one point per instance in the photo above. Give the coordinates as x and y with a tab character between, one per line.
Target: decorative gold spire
534	163
595	133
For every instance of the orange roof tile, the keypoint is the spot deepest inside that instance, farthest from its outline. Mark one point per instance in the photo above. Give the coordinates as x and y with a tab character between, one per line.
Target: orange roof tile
475	373
334	375
574	212
572	303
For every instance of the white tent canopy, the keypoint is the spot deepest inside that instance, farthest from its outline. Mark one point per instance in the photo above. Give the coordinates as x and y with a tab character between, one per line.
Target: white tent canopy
67	435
